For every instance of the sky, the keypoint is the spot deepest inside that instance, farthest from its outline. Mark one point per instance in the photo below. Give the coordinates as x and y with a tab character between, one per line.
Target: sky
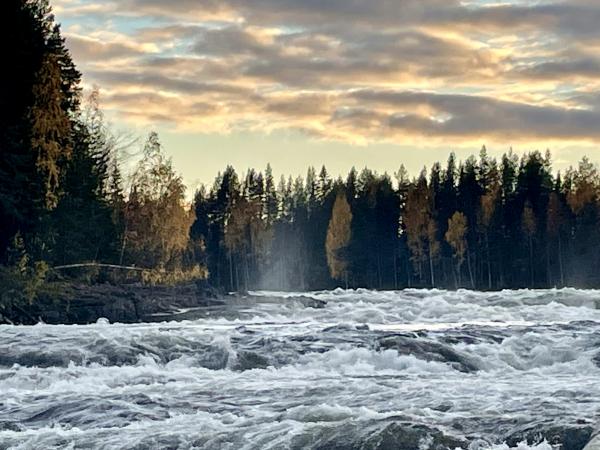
344	83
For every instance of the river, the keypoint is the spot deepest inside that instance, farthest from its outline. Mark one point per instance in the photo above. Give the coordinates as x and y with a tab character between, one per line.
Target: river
355	369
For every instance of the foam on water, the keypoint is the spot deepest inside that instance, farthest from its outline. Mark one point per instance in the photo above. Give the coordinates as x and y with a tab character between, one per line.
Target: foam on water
409	369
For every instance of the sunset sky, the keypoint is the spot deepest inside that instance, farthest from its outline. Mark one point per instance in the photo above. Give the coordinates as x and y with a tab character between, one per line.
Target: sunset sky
343	82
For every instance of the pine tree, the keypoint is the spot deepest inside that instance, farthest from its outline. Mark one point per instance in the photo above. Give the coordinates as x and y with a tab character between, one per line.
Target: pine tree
236	239
338	238
224	194
433	246
585	186
311	189
530	229
456	236
489	203
421	228
116	201
200	229
583	199
271	204
324	185
469	192
351	185
555	222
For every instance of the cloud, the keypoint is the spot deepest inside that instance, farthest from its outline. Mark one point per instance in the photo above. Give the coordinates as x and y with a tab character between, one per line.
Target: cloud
569	17
477	116
564	69
358	71
86	48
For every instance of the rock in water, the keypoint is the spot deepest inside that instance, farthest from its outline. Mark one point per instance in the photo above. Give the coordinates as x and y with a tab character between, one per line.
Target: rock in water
250	360
427	350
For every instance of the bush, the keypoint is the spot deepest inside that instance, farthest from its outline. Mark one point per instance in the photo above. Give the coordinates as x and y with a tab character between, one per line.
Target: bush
23	286
171	277
21	279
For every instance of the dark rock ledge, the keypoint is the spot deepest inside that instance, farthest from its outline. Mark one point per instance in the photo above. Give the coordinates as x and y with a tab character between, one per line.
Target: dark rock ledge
81	303
65	303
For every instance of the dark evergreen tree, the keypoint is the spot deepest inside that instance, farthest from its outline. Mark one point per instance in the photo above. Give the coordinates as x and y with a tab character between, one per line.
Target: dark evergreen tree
84	224
38	98
271	203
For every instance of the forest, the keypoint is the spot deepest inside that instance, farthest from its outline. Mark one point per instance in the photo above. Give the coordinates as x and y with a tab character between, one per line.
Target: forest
478	224
67	200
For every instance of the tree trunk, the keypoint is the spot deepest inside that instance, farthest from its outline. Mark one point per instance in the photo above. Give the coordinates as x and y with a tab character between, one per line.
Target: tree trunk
489	261
123	243
231	273
531	262
548	268
220	282
470	270
395	269
560	262
124	240
246	275
379	268
456	274
431	271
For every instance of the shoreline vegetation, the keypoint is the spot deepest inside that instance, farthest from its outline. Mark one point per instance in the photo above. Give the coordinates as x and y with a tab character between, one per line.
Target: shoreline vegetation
70	216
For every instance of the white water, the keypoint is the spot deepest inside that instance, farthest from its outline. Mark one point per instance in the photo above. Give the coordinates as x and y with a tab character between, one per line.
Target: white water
475	370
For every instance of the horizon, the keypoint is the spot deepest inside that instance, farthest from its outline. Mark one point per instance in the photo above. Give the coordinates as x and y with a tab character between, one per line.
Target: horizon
294	86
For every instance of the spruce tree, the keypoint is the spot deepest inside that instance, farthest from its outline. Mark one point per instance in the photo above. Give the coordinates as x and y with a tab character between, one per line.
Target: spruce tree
38	99
271	202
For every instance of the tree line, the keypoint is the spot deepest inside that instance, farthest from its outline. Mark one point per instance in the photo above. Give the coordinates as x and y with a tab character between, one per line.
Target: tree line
483	223
66	199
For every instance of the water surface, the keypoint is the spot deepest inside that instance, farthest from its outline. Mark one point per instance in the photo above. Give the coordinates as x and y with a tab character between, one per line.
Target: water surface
373	370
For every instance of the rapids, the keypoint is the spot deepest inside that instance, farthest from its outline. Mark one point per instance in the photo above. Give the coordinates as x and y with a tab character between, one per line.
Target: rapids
356	369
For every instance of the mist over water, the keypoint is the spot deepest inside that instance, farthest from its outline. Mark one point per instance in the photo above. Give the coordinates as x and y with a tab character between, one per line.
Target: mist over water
375	370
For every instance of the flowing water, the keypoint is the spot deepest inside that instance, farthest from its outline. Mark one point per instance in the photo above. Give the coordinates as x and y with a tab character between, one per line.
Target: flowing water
366	370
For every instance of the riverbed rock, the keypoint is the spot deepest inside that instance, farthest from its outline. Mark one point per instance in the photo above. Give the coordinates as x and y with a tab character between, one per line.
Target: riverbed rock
250	360
427	350
399	435
574	437
310	302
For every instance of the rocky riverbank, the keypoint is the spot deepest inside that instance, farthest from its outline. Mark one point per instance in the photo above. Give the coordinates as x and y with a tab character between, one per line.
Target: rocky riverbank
83	303
78	303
